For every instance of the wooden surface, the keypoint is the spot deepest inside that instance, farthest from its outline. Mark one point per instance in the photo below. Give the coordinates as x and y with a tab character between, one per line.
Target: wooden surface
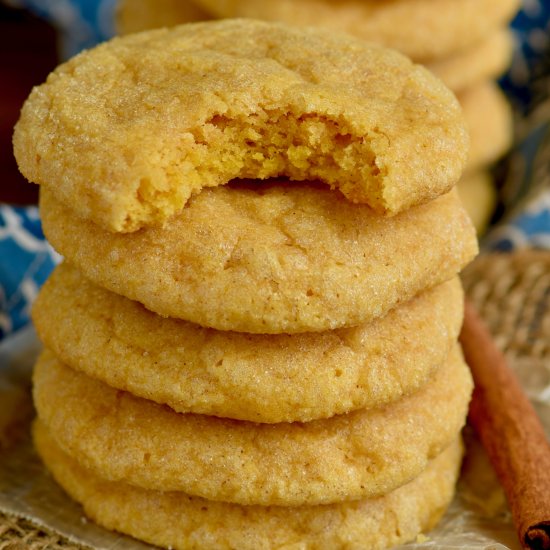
27	55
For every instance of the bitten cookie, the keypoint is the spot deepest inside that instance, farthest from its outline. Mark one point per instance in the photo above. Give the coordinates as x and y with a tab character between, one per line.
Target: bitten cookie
271	258
126	132
176	520
418	28
359	455
274	378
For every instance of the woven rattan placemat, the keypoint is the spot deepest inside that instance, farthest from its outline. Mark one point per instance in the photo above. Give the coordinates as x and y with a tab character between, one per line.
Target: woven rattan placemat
512	294
20	534
510	291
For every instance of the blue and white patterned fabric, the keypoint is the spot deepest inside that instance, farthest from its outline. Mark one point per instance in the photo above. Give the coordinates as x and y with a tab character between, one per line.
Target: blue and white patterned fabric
26	260
81	23
525	194
529	230
526	190
531	63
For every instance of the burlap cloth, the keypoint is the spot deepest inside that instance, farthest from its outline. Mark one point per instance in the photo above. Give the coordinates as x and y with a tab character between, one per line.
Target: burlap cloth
510	291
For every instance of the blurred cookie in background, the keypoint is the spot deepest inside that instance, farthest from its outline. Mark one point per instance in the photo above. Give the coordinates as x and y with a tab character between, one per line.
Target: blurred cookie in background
138	15
411	26
485	60
490	121
478	195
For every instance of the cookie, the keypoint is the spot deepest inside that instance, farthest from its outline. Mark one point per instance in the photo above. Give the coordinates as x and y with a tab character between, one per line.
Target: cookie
359	455
483	61
490	122
139	15
175	520
417	28
478	194
274	378
272	258
126	132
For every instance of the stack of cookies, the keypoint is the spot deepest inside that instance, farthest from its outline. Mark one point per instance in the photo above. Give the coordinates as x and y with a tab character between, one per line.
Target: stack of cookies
252	342
463	42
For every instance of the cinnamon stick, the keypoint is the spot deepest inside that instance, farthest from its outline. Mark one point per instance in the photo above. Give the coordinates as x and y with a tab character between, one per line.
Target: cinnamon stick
511	433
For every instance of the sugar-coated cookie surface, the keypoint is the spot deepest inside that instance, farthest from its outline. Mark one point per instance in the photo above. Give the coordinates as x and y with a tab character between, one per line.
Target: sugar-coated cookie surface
126	132
485	60
359	455
273	378
271	259
175	520
419	28
490	122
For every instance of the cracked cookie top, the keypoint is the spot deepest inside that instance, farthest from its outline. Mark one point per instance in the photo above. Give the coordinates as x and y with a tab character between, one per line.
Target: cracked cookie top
261	378
176	520
277	257
363	454
125	133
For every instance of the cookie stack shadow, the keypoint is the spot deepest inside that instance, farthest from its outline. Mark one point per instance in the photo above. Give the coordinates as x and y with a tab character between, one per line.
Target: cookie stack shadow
274	365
